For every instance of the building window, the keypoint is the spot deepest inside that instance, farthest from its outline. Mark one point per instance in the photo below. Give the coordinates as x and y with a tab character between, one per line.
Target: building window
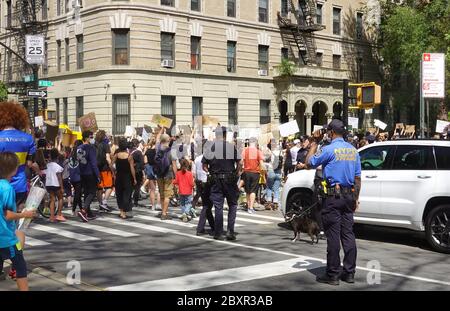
121	113
197	107
80	52
319	14
58	7
58	55
263	58
231	56
168	109
264	111
57	110
167	46
121	46
231	8
336	21
336	61
232	111
8	14
302	11
65	110
196	5
359	25
284	8
195	53
44	10
68	5
67	55
263	10
79	108
284	53
168	2
9	67
319	58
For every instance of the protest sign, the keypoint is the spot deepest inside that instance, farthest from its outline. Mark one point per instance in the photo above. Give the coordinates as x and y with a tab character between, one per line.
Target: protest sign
266	128
264	139
317	128
88	122
380	124
129	131
162	121
353	122
440	126
145	135
38	121
289	128
210	121
51	131
68	139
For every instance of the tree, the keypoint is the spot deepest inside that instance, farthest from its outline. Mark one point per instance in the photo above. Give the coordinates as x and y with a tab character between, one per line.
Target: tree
407	31
3	92
287	68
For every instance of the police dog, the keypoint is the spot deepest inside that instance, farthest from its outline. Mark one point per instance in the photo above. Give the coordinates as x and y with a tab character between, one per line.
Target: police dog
301	222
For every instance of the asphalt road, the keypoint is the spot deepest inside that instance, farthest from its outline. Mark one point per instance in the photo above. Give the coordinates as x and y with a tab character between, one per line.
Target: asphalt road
144	253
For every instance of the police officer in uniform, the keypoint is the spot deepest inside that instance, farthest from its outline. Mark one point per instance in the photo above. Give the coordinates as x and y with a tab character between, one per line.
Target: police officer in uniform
341	168
222	163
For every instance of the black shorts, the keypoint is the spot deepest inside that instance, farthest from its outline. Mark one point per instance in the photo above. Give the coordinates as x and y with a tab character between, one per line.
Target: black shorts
21	197
16	256
67	187
53	189
251	182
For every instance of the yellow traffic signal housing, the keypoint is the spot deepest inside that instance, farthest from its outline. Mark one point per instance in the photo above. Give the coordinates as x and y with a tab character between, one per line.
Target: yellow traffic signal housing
368	95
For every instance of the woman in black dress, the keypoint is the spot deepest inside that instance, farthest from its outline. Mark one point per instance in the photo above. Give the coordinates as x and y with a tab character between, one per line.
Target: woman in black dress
125	178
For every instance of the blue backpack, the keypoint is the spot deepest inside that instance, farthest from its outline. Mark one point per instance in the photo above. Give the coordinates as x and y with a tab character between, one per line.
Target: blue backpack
162	162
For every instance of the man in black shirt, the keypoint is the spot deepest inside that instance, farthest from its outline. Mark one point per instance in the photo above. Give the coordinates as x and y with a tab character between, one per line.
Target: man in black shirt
222	162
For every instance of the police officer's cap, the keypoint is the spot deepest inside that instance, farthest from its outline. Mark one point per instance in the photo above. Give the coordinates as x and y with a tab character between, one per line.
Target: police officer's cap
337	126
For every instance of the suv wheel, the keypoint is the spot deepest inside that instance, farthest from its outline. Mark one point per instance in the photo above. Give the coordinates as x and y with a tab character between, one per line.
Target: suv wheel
299	200
437	228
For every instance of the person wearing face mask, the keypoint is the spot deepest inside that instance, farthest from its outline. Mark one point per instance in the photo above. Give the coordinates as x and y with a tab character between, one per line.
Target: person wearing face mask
89	172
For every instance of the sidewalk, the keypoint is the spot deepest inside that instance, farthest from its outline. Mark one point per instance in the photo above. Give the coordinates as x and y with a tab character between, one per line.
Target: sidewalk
40	279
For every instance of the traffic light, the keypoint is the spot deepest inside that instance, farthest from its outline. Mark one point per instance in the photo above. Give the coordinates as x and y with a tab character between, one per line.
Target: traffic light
368	95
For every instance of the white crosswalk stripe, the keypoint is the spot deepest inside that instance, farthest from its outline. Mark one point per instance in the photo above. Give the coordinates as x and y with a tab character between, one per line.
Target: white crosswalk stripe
256	215
64	233
91	226
255	221
136	225
172	222
29	241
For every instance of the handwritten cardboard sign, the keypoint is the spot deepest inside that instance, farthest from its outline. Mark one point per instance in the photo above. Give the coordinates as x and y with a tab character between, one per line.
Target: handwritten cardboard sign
88	122
210	121
68	140
380	124
162	121
289	128
51	132
38	121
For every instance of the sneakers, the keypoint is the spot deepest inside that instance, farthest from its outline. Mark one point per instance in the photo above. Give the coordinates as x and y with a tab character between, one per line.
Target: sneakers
143	190
91	216
184	217
219	237
251	211
60	218
104	207
322	235
326	279
193	213
83	216
166	217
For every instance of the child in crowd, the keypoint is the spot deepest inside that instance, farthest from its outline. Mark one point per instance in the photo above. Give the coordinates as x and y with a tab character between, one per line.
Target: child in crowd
185	182
12	241
54	185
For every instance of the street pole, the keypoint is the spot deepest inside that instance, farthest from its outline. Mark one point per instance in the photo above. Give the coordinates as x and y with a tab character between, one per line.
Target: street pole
36	86
345	102
422	108
428	118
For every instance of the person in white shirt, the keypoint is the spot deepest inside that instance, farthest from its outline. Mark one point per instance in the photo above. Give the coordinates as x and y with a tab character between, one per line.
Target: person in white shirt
203	190
294	151
54	185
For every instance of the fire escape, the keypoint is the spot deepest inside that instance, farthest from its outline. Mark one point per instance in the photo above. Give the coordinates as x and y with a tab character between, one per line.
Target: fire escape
298	34
24	17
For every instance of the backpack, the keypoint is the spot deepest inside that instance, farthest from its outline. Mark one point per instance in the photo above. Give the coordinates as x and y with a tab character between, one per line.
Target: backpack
278	159
162	162
101	156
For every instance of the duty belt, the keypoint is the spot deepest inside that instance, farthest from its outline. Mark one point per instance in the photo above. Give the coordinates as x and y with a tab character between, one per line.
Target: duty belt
341	190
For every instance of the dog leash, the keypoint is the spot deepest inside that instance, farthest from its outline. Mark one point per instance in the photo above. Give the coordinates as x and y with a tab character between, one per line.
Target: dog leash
303	213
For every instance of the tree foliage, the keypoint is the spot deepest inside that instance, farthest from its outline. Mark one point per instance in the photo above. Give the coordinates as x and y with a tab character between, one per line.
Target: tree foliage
287	68
3	92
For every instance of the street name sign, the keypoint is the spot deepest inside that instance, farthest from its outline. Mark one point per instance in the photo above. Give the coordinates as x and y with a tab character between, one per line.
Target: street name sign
37	93
45	83
34	49
433	75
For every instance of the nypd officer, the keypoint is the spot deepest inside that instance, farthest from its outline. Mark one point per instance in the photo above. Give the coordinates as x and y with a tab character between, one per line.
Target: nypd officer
342	183
221	162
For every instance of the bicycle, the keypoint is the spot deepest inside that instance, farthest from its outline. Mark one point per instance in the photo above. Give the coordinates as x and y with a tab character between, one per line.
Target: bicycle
44	208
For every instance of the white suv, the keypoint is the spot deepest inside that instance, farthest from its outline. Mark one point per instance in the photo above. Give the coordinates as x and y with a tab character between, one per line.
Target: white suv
405	183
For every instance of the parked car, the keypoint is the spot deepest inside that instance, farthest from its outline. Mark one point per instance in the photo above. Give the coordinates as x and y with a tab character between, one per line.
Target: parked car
405	184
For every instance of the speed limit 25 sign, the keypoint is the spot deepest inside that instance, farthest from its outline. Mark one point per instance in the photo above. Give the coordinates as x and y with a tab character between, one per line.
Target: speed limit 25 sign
34	49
